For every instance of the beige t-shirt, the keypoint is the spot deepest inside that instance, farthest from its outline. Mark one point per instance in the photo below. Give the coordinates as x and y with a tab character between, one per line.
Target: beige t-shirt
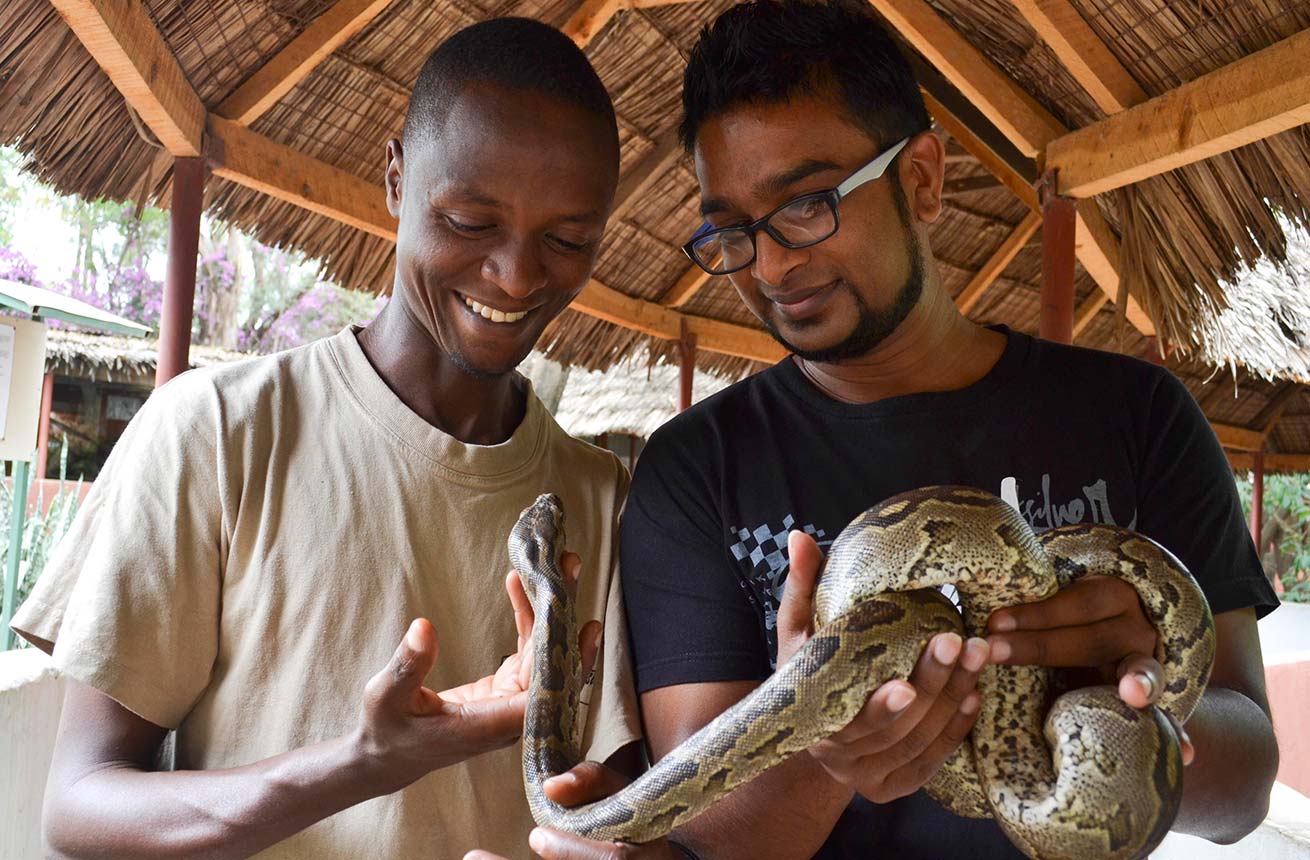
256	546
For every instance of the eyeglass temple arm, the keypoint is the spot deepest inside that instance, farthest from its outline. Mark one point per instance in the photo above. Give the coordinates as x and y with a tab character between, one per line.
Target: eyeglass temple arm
871	171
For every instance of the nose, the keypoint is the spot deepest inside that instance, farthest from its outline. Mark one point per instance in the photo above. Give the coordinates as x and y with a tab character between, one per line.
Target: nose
773	263
516	268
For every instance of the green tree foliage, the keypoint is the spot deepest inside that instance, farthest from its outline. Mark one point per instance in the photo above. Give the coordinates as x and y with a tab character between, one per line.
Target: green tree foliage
1285	535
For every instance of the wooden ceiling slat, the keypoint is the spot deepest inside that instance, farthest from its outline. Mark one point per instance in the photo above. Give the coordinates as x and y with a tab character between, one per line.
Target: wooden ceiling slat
634	184
692	282
301	56
1238	438
991	270
1087	311
1086	57
1251	99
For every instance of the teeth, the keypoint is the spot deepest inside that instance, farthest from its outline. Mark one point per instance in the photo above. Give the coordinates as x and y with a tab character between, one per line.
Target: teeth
493	314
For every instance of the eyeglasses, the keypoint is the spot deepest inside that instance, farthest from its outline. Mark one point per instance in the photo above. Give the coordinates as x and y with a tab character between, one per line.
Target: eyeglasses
799	223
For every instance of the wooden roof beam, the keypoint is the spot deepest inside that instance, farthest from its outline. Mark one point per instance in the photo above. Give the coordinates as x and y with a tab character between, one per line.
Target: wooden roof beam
634	184
1273	411
1082	52
692	282
991	270
1087	311
1244	461
123	40
301	56
1238	438
1251	99
1018	116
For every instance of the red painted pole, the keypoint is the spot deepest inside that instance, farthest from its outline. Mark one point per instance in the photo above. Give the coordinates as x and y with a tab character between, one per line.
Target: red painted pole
180	280
1059	227
686	367
1155	352
43	426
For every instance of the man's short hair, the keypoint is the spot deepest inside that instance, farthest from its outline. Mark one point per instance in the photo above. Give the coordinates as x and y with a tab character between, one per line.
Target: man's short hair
770	51
517	54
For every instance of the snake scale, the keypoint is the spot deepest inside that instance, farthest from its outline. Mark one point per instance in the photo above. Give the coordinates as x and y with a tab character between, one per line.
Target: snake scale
1086	777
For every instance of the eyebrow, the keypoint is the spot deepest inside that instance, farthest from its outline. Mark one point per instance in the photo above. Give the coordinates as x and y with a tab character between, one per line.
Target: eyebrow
774	185
471	195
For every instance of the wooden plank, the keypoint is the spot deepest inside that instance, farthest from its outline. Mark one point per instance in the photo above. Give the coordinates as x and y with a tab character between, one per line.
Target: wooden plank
123	40
1246	101
1082	52
1244	461
991	270
691	283
606	303
1238	438
301	56
1273	410
589	19
950	118
1027	125
252	160
1098	251
1087	312
970	185
635	184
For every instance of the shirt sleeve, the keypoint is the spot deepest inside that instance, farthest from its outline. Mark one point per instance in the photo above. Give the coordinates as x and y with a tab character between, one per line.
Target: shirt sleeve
131	596
1187	501
688	613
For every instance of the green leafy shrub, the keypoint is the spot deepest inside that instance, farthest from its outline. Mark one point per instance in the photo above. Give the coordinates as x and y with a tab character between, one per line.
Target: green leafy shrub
1285	533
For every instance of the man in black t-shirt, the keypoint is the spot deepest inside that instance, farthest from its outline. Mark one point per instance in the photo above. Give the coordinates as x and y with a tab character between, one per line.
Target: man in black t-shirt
819	178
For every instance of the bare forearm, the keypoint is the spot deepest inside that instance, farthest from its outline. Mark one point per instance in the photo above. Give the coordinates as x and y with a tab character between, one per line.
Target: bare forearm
785	814
1226	789
122	811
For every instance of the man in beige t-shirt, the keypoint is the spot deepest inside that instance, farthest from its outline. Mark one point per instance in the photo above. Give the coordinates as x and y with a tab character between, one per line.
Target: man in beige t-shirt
265	533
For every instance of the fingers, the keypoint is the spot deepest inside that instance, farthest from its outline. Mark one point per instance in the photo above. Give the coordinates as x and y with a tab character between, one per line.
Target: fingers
1099	644
1141	680
554	845
570	564
479	854
587	782
589	646
493	721
915	773
1084	601
796	610
523	614
400	684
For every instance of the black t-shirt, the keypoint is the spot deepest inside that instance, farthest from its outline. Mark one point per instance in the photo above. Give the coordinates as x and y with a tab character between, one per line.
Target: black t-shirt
1065	434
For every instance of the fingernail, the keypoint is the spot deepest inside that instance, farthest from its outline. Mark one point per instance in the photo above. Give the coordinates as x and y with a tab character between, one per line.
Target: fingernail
947	648
970	704
1148	684
566	778
412	639
975	654
537	840
1003	623
900	698
1001	650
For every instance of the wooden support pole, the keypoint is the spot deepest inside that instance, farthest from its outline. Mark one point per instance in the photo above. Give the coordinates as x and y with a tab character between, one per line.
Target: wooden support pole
1059	229
686	366
180	280
1257	498
1155	352
43	425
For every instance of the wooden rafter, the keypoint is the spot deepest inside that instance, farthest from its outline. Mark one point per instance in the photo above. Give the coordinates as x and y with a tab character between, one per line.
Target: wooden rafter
1028	125
1251	99
1244	461
991	270
123	40
1082	52
1273	411
970	185
1238	438
1087	311
692	282
638	180
301	56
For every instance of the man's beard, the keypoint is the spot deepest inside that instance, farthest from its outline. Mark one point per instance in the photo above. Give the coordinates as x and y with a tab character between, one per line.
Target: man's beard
872	327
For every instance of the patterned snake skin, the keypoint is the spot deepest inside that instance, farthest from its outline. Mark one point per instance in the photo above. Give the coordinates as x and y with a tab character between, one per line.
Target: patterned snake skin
1101	780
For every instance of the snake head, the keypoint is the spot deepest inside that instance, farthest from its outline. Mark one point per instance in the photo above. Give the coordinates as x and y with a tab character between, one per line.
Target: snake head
538	536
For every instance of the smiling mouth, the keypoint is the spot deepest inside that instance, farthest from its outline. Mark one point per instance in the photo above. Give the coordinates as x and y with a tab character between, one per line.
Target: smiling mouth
493	315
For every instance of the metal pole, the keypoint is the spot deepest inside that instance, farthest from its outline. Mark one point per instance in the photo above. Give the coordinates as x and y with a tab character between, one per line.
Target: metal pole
1059	229
180	280
686	366
17	514
43	426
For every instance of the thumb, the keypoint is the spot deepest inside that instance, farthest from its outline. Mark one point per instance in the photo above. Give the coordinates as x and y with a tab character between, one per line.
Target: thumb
586	782
796	611
401	682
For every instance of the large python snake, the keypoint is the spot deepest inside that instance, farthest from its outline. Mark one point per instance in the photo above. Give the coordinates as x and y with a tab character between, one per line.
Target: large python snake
1101	780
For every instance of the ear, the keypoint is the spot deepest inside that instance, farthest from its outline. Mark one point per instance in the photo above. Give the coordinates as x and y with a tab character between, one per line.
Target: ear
923	171
394	176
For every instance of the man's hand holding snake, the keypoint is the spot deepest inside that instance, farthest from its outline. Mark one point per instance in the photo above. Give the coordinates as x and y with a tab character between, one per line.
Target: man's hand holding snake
907	729
1098	623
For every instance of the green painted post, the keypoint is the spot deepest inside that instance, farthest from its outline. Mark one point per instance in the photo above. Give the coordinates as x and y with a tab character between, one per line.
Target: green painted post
16	516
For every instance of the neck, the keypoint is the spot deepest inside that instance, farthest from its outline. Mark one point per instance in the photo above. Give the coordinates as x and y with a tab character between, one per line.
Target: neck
935	349
474	409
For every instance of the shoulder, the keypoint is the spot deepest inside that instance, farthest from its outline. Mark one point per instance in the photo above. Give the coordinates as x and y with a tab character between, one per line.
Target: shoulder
1106	377
590	463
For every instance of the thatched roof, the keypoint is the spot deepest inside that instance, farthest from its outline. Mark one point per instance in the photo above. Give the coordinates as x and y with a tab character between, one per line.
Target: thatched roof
631	397
1179	237
108	358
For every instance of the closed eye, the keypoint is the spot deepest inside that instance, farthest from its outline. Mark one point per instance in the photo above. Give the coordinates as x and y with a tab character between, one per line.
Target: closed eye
571	247
461	227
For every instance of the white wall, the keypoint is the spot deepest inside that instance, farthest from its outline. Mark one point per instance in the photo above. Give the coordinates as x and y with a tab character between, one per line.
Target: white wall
31	696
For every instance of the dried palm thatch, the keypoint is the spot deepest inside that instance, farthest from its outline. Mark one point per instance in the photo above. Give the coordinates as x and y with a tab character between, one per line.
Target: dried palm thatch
1185	235
108	358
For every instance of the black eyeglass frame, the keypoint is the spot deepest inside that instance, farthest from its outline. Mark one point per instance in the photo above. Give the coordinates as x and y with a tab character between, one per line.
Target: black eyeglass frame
870	172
